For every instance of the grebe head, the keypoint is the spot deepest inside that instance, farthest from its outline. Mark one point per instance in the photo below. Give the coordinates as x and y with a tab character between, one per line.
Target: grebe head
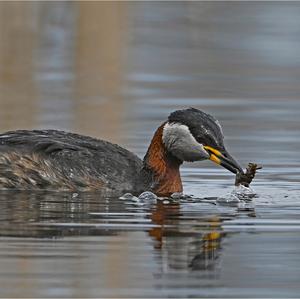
192	135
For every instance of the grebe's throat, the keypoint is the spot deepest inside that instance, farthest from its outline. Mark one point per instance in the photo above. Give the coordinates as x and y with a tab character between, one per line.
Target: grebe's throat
163	166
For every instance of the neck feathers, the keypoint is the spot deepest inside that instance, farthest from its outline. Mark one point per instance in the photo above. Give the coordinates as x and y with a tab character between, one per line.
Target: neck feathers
163	166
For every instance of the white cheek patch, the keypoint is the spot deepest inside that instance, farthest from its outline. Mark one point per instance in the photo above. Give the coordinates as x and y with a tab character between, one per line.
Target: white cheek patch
182	144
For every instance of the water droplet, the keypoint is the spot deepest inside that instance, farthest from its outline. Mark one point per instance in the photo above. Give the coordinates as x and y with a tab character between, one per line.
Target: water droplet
240	193
230	200
148	197
126	196
74	195
243	193
177	195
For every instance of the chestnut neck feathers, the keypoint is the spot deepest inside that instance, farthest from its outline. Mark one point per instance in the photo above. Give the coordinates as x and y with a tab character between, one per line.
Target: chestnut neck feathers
163	167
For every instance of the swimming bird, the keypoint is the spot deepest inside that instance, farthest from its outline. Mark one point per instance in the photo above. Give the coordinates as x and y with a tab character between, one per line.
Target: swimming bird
58	160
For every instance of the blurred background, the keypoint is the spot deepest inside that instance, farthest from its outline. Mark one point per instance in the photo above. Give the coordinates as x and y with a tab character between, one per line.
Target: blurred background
115	70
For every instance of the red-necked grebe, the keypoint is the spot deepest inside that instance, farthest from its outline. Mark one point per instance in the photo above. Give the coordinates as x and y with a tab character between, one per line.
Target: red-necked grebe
57	160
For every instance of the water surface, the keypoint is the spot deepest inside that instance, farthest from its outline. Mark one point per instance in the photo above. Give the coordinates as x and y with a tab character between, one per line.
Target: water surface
115	71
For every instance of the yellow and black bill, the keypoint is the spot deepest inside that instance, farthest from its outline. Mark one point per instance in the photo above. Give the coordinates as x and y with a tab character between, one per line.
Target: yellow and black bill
224	159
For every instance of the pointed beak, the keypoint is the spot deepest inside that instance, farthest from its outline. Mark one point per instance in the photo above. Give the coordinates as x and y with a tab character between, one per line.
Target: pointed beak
224	159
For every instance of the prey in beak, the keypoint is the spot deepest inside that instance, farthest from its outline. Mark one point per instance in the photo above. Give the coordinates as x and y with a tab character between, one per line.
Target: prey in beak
224	159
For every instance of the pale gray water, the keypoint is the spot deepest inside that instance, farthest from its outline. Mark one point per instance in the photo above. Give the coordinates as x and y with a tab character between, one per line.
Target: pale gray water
116	71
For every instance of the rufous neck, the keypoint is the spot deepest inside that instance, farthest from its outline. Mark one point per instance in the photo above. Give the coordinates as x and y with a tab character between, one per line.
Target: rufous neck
164	167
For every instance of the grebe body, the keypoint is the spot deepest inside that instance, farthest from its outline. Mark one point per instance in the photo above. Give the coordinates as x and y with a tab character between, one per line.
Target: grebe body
57	160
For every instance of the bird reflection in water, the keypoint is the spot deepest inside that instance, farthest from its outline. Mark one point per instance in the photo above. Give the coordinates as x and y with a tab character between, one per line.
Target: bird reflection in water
186	242
49	214
185	239
209	248
186	247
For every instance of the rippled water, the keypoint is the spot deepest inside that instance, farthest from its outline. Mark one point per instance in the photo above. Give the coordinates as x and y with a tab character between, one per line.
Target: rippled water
237	61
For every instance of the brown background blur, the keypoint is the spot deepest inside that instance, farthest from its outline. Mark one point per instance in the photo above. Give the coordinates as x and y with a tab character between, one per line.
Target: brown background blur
115	70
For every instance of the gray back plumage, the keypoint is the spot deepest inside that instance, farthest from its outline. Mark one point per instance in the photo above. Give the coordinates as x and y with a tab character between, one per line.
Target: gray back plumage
38	158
